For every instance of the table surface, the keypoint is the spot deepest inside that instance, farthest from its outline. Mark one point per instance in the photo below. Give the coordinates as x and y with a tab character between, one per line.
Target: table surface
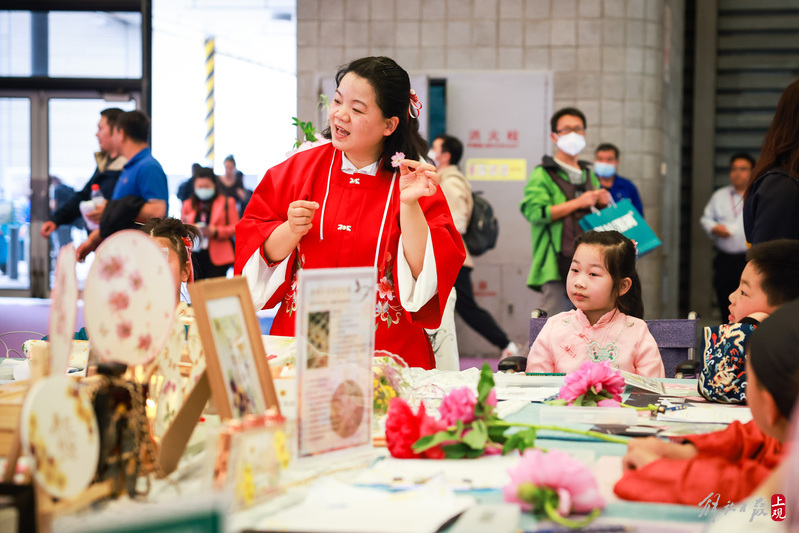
192	485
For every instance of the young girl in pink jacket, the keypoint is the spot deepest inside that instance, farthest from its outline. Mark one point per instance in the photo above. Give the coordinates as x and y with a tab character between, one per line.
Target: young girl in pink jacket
606	324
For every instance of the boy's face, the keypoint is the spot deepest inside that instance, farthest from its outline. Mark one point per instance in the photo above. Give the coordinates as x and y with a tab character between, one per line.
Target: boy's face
749	297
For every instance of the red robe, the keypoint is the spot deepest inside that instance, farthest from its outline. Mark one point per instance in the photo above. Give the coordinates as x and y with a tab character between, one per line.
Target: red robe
353	212
732	463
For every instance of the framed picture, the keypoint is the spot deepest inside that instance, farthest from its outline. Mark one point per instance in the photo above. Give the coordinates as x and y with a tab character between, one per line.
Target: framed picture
238	373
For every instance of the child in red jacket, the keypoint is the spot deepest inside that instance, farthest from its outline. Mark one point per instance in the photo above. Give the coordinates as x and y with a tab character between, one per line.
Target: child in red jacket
733	462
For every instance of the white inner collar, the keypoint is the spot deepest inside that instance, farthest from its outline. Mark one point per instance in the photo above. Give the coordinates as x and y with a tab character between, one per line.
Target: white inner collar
349	168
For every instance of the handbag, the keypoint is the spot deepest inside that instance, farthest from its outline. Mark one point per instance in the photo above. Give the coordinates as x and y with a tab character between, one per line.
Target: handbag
624	218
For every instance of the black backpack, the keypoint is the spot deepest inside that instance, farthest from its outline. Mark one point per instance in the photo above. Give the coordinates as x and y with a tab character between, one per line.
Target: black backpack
481	235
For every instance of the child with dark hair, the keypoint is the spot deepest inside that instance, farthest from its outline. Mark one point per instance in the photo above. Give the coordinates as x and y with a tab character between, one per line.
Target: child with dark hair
607	324
770	278
364	199
732	462
177	239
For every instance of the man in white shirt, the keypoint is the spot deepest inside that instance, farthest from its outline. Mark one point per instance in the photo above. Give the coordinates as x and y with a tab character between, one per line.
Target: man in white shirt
723	221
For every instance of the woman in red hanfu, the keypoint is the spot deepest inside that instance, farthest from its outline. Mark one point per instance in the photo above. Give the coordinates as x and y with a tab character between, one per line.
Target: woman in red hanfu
358	201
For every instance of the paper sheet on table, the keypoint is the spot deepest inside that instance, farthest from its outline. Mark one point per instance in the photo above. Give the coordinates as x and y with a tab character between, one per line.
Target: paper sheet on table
708	414
487	472
531	394
334	507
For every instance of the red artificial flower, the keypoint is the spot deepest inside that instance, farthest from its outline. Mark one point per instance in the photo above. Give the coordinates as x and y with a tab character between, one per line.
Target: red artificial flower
403	429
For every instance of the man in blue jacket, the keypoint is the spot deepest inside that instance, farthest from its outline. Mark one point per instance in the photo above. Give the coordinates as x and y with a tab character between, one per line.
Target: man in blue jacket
606	165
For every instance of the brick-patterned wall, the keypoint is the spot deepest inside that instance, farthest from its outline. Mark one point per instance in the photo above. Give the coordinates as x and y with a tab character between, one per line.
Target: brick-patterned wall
608	59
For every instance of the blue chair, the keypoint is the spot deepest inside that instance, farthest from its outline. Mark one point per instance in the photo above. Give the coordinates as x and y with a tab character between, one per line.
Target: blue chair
676	340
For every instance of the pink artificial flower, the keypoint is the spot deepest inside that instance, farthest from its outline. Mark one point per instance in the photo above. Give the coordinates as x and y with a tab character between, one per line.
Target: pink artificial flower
492	398
608	403
574	483
493	448
458	405
597	375
396	159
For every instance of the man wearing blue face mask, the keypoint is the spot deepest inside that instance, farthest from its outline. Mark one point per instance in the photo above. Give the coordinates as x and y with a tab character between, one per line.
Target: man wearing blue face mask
560	191
606	164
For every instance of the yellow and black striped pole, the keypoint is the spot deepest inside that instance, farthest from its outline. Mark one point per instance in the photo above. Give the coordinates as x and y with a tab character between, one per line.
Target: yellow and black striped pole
210	50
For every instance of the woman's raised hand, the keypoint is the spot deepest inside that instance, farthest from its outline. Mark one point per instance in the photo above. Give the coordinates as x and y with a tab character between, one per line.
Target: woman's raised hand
417	180
299	216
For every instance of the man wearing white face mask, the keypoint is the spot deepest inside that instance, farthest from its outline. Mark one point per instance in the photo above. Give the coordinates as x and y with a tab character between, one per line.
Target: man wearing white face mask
606	164
560	191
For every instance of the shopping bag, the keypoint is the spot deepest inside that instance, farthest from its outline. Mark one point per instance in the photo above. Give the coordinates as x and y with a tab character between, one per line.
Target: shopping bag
625	219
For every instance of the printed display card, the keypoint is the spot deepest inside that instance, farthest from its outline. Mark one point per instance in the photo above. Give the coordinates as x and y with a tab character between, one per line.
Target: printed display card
335	347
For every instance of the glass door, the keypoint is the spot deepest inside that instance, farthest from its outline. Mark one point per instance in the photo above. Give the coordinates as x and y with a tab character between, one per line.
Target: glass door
15	193
47	145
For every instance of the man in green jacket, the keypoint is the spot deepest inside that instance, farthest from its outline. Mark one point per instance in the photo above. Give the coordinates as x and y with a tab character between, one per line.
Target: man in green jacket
560	191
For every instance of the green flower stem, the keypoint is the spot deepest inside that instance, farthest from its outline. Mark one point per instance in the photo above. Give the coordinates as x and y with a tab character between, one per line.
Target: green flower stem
594	434
553	515
649	407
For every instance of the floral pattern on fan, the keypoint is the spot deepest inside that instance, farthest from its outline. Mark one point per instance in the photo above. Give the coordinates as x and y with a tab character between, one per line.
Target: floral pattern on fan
170	398
130	299
63	310
59	431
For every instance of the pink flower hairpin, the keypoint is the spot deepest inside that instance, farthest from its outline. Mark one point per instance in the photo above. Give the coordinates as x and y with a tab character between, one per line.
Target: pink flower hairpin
396	159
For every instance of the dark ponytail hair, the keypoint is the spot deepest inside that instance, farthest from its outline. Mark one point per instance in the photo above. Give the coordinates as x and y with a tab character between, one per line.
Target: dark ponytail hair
620	254
781	144
392	88
174	230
